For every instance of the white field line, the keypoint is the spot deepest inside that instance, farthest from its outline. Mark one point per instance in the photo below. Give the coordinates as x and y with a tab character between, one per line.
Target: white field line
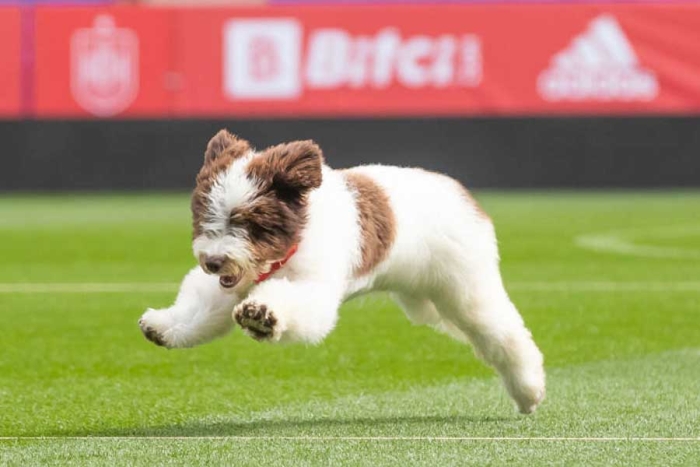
171	287
622	242
349	438
88	287
605	286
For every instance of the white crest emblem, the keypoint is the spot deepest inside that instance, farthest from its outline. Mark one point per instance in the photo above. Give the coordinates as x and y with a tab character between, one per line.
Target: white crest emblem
104	67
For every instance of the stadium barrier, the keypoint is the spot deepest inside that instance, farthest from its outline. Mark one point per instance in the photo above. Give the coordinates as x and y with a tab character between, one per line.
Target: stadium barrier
498	96
364	61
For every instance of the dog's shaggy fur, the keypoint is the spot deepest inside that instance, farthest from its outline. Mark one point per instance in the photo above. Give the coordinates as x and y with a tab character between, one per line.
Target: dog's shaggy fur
283	240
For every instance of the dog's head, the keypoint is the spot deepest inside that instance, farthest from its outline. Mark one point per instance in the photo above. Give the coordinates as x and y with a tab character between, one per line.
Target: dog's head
249	207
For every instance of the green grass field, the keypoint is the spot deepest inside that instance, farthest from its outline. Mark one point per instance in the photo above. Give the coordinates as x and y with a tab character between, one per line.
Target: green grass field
609	283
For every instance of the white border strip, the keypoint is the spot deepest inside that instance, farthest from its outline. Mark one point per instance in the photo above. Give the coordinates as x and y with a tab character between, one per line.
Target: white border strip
622	242
96	287
347	438
171	287
605	286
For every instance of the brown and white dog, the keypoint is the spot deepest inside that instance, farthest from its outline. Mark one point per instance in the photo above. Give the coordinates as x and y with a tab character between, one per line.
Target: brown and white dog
282	240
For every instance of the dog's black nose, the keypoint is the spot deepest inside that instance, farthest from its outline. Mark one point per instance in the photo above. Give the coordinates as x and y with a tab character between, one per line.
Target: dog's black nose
214	263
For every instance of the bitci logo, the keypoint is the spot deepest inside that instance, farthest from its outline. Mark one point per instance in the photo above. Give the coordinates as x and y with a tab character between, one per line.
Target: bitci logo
268	59
104	67
261	58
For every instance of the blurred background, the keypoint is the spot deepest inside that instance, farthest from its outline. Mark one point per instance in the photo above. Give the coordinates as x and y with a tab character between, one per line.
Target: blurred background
117	95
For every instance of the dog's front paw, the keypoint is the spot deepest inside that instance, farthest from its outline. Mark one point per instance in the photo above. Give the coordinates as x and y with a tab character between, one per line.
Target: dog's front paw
257	320
153	326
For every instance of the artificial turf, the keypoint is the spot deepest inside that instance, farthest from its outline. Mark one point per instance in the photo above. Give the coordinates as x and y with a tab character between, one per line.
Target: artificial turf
618	325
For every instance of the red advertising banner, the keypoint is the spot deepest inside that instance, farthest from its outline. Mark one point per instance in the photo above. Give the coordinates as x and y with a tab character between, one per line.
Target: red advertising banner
101	62
11	62
423	60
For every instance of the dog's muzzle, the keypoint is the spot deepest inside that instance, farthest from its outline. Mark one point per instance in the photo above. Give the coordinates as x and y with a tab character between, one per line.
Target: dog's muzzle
218	265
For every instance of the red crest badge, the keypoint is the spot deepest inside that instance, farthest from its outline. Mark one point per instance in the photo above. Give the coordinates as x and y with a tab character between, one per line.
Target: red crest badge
104	67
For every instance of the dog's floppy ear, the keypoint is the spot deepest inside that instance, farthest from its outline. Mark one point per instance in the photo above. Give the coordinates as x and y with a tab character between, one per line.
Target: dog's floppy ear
225	142
297	166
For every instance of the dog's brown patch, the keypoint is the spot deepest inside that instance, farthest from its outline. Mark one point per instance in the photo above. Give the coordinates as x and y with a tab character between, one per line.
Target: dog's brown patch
273	225
376	217
222	150
276	218
290	166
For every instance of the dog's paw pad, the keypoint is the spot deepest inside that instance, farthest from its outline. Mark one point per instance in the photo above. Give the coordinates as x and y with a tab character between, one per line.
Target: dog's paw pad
256	319
151	334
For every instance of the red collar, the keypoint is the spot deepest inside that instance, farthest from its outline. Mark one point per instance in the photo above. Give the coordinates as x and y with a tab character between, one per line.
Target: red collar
277	265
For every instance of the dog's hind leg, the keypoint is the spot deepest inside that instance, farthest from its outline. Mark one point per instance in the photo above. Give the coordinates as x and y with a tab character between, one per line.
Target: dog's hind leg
201	312
422	311
483	311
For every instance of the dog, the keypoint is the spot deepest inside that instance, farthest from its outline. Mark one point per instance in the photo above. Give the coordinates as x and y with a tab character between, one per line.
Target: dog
283	240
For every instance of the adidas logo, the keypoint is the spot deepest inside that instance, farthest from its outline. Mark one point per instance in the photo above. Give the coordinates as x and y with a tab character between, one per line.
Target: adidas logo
599	64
